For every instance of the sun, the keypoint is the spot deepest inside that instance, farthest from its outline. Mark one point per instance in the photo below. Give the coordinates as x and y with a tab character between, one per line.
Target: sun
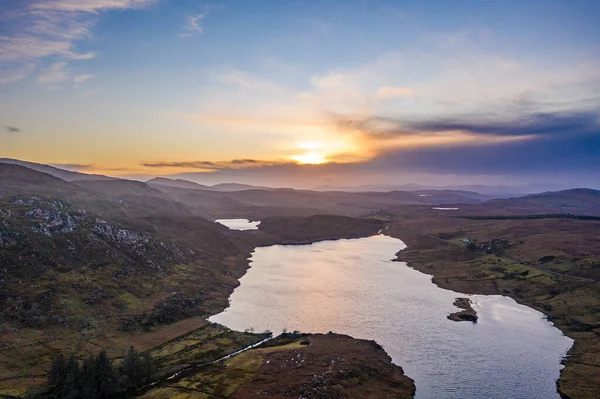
310	158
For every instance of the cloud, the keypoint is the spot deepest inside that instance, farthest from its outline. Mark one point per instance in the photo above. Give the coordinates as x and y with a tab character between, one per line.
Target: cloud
54	74
388	92
540	124
385	135
38	29
331	80
74	166
12	72
88	167
83	56
26	48
193	23
12	130
83	78
88	6
215	165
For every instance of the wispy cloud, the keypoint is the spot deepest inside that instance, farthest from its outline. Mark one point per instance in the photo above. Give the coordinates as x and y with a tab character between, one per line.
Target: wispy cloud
54	74
83	78
89	6
38	29
214	165
13	72
88	167
12	130
193	23
74	166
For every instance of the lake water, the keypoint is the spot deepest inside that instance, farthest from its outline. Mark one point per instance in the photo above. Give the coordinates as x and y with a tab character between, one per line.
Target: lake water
238	224
353	287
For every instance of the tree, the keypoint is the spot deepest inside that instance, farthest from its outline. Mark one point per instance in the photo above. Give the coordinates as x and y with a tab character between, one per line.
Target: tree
73	382
88	378
129	368
57	376
97	378
135	369
149	366
105	376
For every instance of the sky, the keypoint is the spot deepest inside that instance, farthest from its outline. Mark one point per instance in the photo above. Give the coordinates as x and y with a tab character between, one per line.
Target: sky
305	93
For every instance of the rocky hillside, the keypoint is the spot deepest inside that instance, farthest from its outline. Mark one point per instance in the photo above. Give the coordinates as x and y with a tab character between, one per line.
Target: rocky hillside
64	265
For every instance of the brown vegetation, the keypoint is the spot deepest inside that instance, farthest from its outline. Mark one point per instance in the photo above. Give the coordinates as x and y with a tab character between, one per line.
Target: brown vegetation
296	365
547	265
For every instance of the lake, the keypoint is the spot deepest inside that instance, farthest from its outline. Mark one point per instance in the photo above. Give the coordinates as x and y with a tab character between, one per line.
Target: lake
352	287
238	224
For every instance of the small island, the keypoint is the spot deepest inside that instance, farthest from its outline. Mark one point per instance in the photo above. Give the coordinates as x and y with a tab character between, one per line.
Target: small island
467	314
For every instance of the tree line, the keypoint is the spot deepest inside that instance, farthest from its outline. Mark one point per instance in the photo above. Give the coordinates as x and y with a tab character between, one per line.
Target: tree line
96	377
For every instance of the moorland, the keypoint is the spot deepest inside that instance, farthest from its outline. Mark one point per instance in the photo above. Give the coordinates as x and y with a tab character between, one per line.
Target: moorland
90	263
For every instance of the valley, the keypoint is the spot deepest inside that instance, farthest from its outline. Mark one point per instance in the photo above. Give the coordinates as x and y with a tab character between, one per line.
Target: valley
90	264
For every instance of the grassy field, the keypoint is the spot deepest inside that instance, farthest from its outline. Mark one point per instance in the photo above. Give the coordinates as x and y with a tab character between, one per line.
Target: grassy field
307	366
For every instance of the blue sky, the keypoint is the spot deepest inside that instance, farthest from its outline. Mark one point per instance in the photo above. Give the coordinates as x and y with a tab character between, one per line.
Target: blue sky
305	93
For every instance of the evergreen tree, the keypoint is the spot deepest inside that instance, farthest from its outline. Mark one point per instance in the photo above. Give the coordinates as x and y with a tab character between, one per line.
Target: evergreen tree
149	367
72	387
97	378
57	376
88	378
105	376
129	368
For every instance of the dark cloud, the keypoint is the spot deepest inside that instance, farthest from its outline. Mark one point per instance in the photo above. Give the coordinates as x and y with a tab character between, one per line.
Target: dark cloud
536	124
566	148
580	123
12	129
578	154
212	165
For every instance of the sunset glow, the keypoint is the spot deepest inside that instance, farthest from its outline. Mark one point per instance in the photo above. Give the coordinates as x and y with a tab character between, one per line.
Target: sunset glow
310	158
112	87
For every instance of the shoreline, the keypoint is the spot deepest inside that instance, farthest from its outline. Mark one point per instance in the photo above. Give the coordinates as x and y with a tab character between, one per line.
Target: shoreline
453	269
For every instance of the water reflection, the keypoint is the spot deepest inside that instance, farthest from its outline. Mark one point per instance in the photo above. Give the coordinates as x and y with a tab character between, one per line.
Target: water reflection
238	224
352	287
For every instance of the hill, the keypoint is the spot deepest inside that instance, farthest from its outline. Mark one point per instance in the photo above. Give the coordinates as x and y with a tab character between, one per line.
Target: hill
180	183
66	175
577	201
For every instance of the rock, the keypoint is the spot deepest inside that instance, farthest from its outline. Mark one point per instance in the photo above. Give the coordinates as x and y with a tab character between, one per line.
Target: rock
468	314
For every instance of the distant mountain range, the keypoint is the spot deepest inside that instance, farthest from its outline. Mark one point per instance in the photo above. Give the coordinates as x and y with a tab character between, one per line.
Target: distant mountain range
180	183
496	191
163	186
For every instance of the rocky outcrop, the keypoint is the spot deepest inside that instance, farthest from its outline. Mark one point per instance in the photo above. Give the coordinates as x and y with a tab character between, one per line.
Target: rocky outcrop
467	314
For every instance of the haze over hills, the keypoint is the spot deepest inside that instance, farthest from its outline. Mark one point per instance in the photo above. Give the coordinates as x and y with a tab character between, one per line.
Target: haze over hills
66	175
496	191
182	196
475	192
181	183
